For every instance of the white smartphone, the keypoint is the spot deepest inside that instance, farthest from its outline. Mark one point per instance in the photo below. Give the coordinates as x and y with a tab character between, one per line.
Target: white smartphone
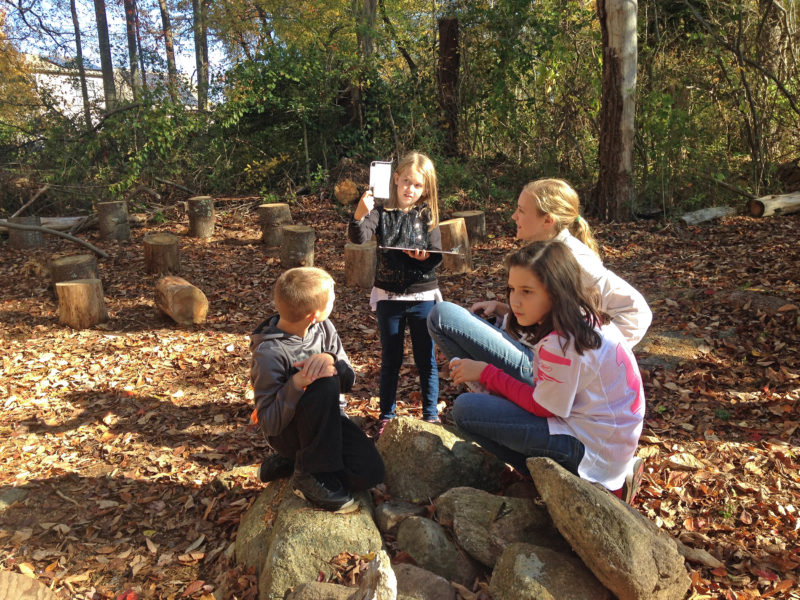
380	178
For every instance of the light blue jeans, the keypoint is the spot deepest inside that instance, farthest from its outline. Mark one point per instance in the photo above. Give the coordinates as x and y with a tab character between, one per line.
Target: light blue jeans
512	433
460	333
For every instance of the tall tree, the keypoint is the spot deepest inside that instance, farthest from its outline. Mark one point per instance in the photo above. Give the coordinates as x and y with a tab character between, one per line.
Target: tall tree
87	113
133	46
449	60
200	29
614	193
169	48
107	67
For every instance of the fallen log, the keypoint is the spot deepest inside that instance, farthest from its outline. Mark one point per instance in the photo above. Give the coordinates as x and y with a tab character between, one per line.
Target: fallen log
71	238
180	300
707	214
783	204
56	223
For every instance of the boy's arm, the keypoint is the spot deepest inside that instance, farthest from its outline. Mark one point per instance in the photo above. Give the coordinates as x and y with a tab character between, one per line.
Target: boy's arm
275	394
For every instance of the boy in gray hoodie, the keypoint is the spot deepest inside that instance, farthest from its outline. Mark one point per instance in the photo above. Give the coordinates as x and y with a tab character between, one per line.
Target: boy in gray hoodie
299	370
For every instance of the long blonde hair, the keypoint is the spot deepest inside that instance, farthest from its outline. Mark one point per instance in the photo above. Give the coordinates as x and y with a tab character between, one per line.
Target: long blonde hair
555	197
430	195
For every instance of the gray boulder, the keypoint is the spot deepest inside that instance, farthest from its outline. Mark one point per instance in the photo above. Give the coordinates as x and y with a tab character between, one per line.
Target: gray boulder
415	583
391	513
377	583
528	572
424	460
427	543
318	590
485	524
625	551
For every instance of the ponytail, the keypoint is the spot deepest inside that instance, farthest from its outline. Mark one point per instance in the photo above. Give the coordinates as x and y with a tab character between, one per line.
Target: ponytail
580	230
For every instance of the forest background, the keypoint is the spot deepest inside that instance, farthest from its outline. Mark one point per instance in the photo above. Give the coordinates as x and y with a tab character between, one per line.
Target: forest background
496	92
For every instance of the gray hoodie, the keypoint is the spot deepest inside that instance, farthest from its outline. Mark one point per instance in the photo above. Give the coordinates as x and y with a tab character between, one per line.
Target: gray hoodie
274	353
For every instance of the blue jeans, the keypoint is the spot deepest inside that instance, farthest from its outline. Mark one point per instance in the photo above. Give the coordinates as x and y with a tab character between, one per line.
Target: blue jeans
460	333
512	433
392	318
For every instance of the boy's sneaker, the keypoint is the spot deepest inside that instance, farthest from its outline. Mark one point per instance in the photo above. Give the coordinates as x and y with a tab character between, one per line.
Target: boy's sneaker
275	467
435	420
632	480
326	492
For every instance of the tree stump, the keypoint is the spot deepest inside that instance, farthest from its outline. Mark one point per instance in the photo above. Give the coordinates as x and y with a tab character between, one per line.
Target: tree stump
454	235
80	303
201	216
297	248
180	300
161	253
359	264
272	218
76	266
21	239
112	220
475	221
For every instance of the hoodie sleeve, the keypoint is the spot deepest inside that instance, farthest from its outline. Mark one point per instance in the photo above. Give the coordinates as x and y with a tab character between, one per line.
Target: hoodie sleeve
333	346
276	396
361	231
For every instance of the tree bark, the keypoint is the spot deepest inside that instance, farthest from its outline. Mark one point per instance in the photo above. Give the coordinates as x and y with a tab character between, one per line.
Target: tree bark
475	221
81	303
766	206
112	220
72	238
133	50
614	194
76	266
201	216
106	65
87	112
707	214
161	253
272	218
180	300
200	30
454	235
297	248
23	239
169	50
449	60
359	264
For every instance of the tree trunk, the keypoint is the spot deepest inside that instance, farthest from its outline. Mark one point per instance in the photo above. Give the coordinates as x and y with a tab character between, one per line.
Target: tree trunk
169	50
112	220
180	300
87	112
475	221
80	303
614	194
449	59
707	214
767	206
359	264
76	266
454	235
23	239
201	216
161	253
200	29
106	65
297	249
133	49
272	218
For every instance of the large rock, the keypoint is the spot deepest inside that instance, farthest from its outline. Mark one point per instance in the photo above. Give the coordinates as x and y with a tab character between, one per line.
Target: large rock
625	551
377	582
15	586
391	513
428	544
415	583
485	524
290	542
528	572
320	590
424	460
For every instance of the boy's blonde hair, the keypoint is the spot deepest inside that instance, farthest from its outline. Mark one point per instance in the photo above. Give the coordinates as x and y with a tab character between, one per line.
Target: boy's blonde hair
555	197
301	291
430	195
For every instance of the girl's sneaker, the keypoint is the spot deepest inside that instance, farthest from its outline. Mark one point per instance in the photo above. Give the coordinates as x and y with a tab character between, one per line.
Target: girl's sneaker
432	420
382	425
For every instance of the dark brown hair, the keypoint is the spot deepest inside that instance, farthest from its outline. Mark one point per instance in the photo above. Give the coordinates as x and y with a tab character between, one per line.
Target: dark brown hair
575	310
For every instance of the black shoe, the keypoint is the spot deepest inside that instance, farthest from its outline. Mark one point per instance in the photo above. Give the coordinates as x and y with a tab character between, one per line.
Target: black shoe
275	467
329	494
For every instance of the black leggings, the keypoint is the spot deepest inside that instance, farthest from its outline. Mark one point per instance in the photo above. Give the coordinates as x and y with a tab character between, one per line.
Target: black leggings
320	439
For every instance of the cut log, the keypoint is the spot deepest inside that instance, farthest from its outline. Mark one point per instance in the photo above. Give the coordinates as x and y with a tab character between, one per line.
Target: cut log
161	253
22	239
201	216
80	303
454	236
707	214
56	223
72	238
112	220
297	248
76	266
476	224
359	264
767	206
346	192
272	218
180	300
760	302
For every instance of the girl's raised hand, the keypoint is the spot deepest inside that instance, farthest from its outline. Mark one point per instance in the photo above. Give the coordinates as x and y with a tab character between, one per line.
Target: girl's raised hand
489	308
365	205
466	369
418	253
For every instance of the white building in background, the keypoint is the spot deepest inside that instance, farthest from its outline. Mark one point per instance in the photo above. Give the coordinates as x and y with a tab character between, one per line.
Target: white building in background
58	83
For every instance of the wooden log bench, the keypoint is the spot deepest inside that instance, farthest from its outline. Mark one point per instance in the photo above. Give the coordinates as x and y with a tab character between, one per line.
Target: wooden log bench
180	300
